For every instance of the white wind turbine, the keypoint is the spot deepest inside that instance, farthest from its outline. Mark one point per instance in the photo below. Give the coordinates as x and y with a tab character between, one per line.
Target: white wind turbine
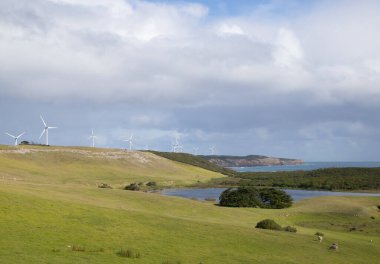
212	150
14	137
46	130
93	138
177	147
130	142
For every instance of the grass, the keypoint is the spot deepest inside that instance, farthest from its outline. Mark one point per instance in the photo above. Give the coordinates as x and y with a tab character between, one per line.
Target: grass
46	213
87	166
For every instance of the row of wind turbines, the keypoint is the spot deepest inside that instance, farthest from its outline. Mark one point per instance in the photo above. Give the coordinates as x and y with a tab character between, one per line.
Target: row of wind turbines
176	146
44	131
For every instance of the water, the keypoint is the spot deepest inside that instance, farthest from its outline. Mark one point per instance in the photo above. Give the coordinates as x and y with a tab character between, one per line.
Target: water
307	166
214	193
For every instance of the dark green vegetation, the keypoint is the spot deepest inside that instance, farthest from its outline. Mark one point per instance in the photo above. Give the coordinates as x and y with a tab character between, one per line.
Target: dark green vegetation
252	197
272	225
268	224
322	179
195	161
331	179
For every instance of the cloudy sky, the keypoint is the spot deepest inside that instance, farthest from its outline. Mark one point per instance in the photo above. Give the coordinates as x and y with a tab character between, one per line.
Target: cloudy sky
280	78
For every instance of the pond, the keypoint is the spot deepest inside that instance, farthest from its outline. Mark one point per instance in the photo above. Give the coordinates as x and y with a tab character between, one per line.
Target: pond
214	193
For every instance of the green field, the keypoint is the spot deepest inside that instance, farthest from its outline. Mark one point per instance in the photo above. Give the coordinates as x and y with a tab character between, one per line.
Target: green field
50	205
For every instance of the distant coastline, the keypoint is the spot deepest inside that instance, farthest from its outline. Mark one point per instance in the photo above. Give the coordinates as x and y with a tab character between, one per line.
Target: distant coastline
250	161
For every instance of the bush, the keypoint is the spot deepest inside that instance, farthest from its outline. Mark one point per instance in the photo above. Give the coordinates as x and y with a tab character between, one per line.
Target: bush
268	224
132	187
290	229
151	184
128	253
319	234
252	197
78	248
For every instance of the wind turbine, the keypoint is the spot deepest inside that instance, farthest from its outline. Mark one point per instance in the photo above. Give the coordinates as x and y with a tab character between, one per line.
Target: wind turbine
177	147
212	150
93	138
46	130
130	142
15	138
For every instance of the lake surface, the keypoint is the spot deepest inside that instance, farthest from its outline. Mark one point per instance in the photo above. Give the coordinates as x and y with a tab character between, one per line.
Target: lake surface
307	166
214	193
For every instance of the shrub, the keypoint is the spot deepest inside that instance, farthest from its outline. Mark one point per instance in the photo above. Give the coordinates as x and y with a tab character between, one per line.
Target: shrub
78	248
319	234
378	207
290	229
268	224
151	184
132	187
171	262
128	253
252	197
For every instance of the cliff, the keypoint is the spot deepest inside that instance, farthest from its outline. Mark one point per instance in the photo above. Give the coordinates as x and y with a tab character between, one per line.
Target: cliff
250	161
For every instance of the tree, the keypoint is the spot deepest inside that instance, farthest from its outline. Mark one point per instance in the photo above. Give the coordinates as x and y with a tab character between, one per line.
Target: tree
252	197
240	197
275	199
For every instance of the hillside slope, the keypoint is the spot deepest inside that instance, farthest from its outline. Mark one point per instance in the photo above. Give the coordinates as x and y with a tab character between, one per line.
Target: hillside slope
52	212
65	165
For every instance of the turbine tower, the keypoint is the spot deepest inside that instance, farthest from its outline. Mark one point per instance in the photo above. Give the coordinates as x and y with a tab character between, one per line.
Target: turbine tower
212	150
177	147
15	138
130	142
93	138
45	130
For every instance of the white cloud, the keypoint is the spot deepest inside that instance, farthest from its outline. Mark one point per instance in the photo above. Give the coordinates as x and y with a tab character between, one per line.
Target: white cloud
164	57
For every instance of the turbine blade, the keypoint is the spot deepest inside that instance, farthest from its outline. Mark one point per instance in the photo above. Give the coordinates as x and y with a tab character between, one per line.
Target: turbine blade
21	134
51	127
43	132
43	121
10	135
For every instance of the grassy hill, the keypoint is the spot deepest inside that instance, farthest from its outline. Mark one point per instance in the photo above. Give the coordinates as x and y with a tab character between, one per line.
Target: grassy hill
53	206
198	161
87	166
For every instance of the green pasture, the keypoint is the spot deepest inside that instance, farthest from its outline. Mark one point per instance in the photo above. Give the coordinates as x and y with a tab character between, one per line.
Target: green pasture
50	205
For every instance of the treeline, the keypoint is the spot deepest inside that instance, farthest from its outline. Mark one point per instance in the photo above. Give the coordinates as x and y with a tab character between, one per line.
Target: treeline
321	179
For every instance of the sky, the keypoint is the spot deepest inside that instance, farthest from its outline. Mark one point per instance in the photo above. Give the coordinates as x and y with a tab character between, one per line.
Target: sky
295	79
